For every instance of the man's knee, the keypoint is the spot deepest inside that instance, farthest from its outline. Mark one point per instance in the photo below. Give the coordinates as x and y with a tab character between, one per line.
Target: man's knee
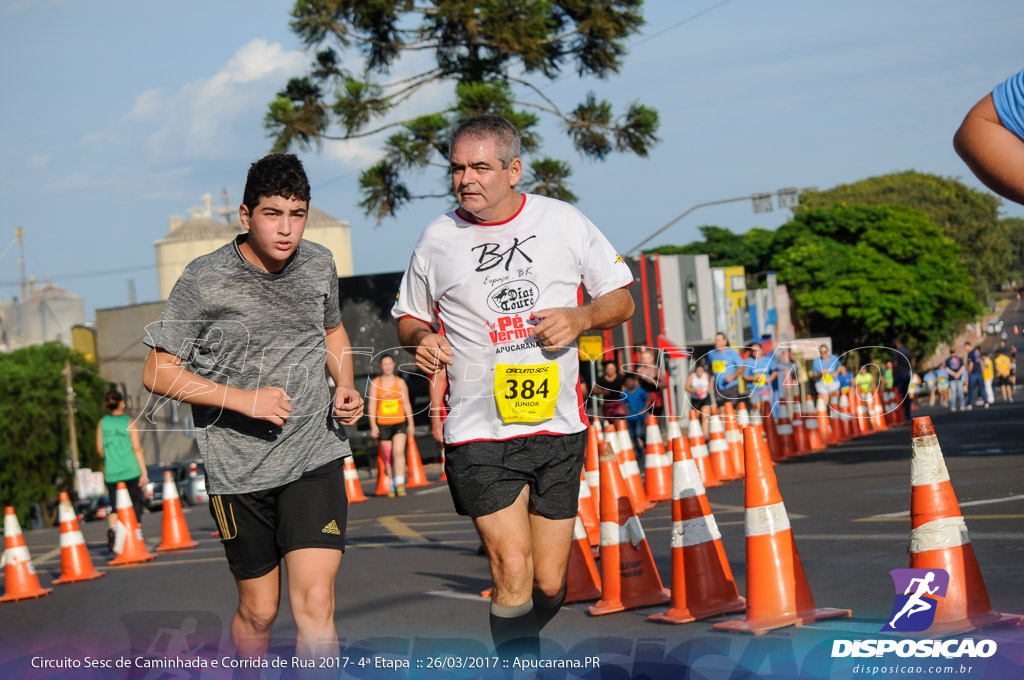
314	601
258	614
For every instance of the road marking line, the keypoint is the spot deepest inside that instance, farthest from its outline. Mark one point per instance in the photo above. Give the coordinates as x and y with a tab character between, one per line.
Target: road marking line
399	528
967	504
456	596
438	489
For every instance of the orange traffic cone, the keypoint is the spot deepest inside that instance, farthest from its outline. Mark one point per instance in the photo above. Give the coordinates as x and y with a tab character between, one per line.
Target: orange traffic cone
175	535
845	416
702	581
630	470
787	435
657	465
128	543
835	420
414	474
20	579
629	578
588	512
861	414
699	451
777	591
718	449
811	422
383	481
590	467
444	475
771	433
877	414
801	440
353	487
824	425
734	438
75	563
583	580
939	540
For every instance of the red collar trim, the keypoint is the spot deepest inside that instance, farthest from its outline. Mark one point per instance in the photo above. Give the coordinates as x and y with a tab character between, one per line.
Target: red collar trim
492	224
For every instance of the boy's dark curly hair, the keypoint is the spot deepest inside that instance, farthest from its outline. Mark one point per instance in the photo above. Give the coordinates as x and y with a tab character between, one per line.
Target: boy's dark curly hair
279	174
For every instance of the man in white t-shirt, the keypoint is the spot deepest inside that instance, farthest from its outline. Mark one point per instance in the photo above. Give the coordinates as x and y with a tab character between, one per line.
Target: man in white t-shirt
502	276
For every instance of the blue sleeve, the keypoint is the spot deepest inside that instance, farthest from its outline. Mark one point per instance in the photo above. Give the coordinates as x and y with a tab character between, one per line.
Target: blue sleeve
1008	97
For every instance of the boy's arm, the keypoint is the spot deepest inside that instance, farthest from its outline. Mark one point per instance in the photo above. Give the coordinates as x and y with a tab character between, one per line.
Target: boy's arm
348	403
164	375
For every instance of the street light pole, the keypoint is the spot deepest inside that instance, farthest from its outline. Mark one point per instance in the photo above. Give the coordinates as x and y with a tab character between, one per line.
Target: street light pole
762	203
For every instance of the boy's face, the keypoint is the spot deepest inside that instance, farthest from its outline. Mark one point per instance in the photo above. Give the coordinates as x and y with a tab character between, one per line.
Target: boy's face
275	228
630	382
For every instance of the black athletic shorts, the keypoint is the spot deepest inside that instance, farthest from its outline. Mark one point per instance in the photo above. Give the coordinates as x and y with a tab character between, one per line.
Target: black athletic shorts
258	528
388	432
488	476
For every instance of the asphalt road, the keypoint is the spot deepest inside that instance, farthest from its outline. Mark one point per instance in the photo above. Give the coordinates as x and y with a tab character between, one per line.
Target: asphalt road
411	578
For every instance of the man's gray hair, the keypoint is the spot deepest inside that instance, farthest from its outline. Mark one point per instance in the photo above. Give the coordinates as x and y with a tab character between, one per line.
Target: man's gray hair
507	143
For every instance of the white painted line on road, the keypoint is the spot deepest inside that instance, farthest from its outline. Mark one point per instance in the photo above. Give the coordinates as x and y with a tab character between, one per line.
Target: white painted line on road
456	596
436	489
906	513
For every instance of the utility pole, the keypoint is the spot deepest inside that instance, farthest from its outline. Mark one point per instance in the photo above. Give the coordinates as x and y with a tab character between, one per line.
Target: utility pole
71	417
18	233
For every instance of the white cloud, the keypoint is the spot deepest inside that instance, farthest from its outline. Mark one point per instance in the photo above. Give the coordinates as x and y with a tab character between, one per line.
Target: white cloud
39	161
147	105
78	181
200	119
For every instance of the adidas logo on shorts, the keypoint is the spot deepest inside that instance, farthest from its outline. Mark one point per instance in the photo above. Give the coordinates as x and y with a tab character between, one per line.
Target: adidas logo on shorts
332	528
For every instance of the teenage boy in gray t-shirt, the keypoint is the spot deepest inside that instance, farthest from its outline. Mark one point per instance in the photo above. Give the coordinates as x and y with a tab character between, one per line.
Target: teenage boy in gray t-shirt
244	337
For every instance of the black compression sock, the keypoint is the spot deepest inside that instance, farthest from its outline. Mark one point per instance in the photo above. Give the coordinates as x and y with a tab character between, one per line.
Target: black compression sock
514	630
545	607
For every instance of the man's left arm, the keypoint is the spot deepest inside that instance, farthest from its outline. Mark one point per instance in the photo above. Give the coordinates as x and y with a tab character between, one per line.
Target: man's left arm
348	403
560	326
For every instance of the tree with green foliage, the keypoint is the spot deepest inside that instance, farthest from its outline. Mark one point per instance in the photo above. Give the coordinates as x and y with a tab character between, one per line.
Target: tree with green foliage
864	274
752	250
496	53
1014	229
35	461
970	218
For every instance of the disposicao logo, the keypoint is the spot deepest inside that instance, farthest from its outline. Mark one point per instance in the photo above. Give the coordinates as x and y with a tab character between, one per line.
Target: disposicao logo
917	597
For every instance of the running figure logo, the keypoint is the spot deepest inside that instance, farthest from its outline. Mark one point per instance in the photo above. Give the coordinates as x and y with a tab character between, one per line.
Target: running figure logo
914	609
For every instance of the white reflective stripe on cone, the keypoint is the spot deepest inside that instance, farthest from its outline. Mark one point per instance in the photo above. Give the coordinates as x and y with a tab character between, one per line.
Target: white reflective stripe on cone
170	491
65	513
71	538
654	435
948	532
686	480
673	430
351	473
699	451
123	499
926	463
630	532
784	429
579	532
716	445
695	531
768	519
16	555
593	478
584	489
631	467
11	526
654	460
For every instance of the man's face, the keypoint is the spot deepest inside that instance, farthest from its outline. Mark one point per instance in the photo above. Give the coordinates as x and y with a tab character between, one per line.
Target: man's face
275	228
756	351
720	341
483	187
824	352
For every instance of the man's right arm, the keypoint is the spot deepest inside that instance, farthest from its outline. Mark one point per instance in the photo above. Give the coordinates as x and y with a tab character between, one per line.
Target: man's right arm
431	350
992	152
164	375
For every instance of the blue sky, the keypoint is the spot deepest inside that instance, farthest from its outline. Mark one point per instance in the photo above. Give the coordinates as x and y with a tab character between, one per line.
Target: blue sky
119	114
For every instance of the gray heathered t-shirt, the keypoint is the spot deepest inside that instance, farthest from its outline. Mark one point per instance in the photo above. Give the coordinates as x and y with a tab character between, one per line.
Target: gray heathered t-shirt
233	323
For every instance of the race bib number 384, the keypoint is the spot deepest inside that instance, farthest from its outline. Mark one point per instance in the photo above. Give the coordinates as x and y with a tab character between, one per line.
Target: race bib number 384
526	393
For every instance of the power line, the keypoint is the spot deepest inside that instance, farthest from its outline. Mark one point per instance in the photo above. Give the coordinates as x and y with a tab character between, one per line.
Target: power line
687	20
86	275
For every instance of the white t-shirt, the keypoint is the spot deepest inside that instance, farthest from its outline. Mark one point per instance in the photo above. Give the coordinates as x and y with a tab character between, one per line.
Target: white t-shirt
481	282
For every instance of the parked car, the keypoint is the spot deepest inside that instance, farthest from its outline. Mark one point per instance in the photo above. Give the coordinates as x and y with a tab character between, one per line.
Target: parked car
153	498
97	507
995	327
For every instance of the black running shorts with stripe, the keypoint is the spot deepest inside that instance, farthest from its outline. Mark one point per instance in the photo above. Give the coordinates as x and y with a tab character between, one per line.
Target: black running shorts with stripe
258	528
487	476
